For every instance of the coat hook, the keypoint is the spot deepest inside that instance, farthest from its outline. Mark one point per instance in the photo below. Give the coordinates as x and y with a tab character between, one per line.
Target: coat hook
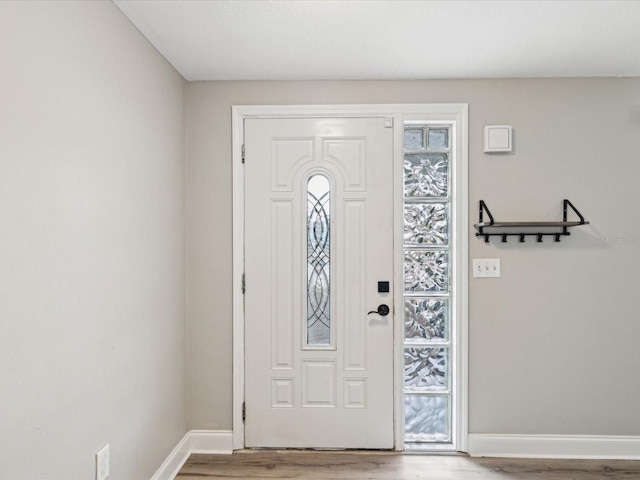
492	225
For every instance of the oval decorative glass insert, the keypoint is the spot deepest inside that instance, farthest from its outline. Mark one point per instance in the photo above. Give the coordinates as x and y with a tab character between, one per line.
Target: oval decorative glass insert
318	261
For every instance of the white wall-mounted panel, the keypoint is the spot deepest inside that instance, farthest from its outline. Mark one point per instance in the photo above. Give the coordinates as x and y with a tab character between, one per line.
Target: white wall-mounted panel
498	138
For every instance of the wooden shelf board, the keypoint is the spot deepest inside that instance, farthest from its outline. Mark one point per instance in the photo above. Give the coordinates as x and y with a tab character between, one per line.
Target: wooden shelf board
528	224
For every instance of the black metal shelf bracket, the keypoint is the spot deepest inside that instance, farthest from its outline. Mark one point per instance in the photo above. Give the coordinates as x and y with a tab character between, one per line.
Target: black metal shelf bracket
524	229
484	208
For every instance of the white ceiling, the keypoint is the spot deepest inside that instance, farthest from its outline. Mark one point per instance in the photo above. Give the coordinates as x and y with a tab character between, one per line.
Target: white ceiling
391	39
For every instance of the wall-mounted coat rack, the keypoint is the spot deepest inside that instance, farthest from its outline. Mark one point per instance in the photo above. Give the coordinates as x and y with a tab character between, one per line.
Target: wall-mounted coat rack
524	229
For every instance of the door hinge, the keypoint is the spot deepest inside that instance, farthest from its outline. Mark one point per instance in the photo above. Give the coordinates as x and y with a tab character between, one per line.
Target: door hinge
244	411
242	153
244	284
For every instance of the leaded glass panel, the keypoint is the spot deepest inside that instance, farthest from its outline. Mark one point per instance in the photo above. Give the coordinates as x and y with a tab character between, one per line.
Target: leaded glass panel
426	319
318	261
426	271
426	368
426	418
426	224
426	175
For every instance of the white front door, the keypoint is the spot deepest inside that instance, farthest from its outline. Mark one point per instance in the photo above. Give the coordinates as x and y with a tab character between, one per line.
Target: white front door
318	240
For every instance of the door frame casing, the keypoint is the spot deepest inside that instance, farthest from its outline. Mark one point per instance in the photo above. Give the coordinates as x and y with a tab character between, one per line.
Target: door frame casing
457	113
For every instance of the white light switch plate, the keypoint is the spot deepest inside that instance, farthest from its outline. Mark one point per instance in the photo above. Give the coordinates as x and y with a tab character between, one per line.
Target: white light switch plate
486	267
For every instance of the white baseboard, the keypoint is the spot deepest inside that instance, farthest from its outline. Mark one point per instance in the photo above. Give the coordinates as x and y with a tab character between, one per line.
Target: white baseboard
194	441
479	445
554	446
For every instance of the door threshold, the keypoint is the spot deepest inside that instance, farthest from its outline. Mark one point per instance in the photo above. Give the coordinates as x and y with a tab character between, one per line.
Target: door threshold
352	451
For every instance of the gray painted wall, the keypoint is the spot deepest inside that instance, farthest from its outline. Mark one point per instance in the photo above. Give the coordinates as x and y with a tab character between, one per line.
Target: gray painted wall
92	225
92	244
553	342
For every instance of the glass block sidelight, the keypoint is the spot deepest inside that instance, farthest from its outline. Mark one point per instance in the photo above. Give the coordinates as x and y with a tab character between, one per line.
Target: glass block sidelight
426	175
426	271
429	351
438	139
414	138
318	261
427	418
426	368
426	319
426	224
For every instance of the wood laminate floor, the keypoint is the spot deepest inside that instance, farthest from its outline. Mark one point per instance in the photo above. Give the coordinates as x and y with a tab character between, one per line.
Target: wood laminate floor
315	465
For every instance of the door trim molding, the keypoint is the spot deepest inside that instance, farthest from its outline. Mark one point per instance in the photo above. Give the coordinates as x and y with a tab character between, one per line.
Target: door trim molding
399	113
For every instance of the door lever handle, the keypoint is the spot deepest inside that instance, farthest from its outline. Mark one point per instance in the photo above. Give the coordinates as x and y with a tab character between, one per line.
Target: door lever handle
383	310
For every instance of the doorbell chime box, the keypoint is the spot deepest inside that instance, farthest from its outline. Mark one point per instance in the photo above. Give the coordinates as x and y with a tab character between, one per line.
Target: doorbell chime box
497	138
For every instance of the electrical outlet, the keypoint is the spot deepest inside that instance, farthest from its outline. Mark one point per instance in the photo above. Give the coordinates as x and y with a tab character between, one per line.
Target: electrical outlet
102	463
486	267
